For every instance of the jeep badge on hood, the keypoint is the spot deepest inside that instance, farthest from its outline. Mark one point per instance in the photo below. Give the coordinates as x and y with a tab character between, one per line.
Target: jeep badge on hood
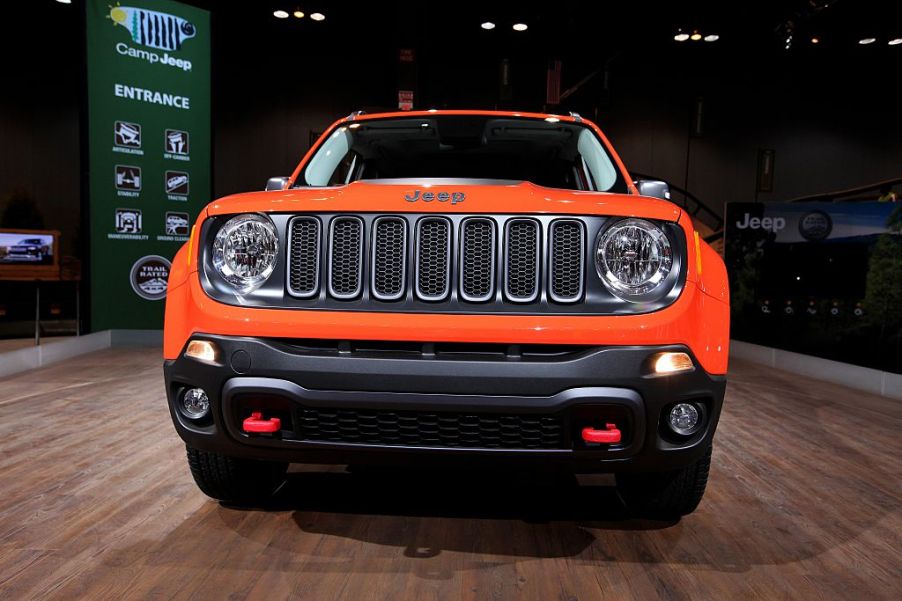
454	197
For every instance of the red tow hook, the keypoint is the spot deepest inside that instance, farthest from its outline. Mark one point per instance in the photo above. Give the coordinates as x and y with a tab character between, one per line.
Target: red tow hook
256	424
610	435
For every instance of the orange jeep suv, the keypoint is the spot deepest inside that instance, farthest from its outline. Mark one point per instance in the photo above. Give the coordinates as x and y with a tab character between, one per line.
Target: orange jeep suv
484	286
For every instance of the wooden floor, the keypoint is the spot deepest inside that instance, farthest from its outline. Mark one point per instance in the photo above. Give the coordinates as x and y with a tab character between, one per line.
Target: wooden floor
804	502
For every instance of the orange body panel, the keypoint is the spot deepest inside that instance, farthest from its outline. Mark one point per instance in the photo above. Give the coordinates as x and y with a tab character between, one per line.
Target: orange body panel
699	318
364	197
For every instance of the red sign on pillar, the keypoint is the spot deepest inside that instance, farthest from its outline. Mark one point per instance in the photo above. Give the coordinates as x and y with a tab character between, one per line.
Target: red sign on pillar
405	100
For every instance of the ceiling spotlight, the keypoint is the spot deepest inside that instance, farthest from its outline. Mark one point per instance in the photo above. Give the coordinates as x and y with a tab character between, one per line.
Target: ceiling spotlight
280	14
866	41
318	16
488	25
64	1
681	37
298	14
895	41
696	36
815	40
520	26
712	37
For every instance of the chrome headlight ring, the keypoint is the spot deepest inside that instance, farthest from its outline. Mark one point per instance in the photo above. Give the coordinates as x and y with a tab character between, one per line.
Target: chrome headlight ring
634	258
245	251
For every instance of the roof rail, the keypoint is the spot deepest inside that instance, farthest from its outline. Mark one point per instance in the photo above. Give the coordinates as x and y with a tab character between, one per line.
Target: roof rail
576	116
354	115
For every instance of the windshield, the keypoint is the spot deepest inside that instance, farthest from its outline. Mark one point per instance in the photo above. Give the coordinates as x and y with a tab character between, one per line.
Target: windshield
552	154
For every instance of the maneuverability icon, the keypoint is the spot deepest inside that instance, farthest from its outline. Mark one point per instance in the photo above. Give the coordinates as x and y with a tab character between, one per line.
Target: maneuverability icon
128	221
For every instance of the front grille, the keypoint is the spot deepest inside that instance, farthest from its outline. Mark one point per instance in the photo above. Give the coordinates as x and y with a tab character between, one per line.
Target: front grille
433	258
522	260
566	266
345	257
454	263
431	429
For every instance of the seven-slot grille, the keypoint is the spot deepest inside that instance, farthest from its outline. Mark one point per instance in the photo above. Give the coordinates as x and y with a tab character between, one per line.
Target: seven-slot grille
477	259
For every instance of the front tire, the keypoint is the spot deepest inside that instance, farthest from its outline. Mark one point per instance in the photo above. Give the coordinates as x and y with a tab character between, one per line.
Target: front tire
665	495
233	479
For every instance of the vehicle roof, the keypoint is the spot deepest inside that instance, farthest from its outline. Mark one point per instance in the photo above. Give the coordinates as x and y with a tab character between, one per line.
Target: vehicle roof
568	118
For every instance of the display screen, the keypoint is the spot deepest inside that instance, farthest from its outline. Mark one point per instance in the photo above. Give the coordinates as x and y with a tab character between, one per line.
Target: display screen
26	248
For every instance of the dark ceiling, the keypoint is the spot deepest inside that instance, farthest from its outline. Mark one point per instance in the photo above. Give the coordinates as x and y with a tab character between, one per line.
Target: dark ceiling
354	51
575	27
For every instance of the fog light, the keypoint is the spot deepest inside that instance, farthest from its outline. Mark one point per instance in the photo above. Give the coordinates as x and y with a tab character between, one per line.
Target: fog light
684	419
202	350
671	363
195	403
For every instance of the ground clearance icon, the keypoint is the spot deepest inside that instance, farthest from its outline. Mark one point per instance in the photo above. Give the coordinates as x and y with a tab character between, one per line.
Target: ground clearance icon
152	28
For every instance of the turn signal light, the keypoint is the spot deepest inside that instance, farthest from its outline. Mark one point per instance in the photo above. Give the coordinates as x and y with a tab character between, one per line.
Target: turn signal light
671	363
202	350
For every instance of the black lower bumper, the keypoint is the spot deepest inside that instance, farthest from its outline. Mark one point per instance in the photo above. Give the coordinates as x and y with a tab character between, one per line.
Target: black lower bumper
352	403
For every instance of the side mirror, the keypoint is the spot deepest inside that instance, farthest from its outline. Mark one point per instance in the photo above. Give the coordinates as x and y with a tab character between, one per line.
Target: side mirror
276	183
654	188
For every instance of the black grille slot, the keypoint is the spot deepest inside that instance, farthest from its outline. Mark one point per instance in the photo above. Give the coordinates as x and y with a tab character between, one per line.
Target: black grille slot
345	257
477	263
431	429
303	257
522	260
389	258
566	263
433	258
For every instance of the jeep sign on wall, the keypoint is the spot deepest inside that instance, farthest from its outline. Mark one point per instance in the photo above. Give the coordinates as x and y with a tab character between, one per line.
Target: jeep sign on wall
819	278
148	150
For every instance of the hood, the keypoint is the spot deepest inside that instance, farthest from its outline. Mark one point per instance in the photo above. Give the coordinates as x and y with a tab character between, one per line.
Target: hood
445	196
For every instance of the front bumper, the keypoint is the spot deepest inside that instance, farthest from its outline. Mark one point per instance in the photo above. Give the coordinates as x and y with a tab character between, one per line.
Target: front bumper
337	404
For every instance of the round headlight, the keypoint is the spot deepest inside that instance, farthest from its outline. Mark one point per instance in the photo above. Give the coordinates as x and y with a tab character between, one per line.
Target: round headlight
633	258
245	251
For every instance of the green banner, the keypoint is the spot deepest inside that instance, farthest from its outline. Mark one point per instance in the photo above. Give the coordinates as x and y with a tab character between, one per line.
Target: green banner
148	150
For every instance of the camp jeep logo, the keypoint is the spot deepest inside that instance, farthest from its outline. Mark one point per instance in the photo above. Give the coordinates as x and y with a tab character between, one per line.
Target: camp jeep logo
452	197
153	29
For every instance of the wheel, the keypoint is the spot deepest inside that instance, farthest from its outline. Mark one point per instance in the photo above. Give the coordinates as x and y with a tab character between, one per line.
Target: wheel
665	495
235	480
